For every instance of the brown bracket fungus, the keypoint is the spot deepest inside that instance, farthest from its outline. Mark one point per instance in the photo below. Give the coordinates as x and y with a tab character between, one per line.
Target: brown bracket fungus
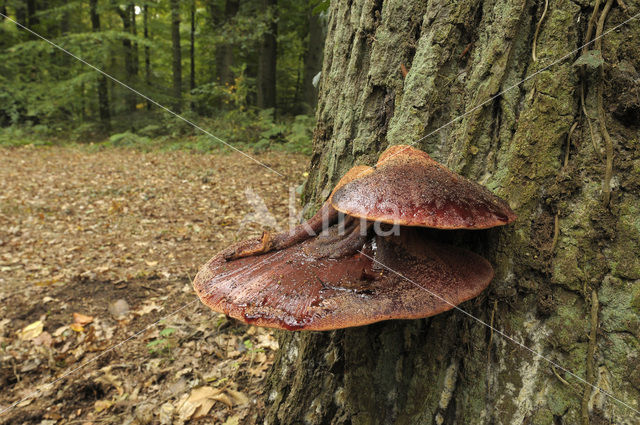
349	276
409	188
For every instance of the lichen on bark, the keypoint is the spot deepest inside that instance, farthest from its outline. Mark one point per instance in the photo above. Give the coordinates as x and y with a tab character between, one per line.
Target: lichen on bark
450	368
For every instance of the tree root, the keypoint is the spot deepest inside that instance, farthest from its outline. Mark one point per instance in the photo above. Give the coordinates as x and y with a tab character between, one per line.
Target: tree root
535	35
591	352
566	152
564	381
608	143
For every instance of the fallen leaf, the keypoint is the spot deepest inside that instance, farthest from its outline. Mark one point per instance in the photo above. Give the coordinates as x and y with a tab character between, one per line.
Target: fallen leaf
101	405
82	319
60	331
31	331
166	413
238	397
76	327
223	398
201	400
232	420
147	308
43	339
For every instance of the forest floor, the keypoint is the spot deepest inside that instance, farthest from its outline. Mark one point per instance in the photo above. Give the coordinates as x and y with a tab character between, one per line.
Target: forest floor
99	248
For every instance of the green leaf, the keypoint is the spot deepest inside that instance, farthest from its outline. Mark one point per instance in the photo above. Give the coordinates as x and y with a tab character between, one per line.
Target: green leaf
156	342
167	331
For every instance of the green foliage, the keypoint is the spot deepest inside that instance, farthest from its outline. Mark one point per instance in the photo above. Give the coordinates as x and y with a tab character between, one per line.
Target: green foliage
128	139
35	135
293	136
47	96
164	344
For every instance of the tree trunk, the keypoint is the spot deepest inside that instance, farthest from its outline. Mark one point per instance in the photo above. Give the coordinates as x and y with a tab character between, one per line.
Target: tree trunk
147	52
224	51
177	55
267	59
32	10
134	31
103	91
129	57
312	59
567	281
192	48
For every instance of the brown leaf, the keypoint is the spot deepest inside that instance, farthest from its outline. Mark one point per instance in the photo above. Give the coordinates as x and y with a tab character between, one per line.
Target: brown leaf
82	319
200	401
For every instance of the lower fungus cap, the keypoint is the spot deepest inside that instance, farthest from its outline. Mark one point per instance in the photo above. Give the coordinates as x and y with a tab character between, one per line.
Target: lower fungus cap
294	289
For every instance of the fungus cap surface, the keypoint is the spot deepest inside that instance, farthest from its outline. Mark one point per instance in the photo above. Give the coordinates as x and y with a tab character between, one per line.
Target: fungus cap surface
409	188
292	289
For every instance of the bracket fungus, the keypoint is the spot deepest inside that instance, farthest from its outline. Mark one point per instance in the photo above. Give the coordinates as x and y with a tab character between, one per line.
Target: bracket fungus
333	271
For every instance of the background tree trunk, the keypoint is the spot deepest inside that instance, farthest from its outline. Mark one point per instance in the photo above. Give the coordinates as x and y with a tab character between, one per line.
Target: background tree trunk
224	51
130	58
192	47
147	52
134	47
177	55
267	60
313	59
574	297
103	91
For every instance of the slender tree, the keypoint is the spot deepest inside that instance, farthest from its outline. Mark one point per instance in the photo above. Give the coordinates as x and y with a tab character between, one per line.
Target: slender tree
225	50
128	50
32	10
192	47
312	58
267	58
147	52
103	91
134	31
567	272
177	55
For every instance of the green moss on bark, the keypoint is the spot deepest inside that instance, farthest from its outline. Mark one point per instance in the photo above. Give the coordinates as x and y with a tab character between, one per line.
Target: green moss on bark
459	54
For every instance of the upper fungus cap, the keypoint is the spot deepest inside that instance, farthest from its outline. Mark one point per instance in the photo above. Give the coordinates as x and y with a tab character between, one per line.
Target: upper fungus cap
409	188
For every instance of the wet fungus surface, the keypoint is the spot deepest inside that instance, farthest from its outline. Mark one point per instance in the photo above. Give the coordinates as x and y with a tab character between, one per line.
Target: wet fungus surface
407	187
334	272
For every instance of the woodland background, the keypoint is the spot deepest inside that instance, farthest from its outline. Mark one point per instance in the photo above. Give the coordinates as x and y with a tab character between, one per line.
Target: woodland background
241	69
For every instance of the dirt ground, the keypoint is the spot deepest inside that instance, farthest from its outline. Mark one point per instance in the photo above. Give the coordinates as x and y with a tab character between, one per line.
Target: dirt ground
95	249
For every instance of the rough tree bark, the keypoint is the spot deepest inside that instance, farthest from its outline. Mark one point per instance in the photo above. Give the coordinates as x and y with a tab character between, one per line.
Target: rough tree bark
567	273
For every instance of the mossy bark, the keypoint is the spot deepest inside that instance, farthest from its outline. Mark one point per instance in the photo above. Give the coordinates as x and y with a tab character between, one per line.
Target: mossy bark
575	297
